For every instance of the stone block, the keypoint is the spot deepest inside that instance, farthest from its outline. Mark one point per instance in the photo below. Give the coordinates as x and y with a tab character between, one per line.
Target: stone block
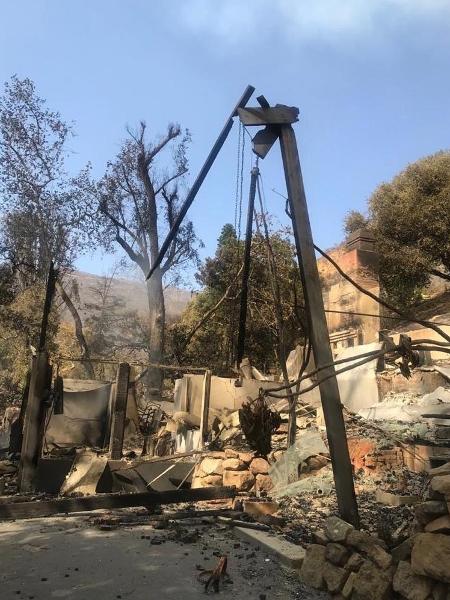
277	454
287	553
429	510
317	462
334	577
264	483
320	537
354	562
440	591
403	550
246	457
431	556
371	547
212	480
371	584
242	480
441	484
389	499
409	585
234	464
256	509
347	590
212	466
336	554
439	525
314	562
259	466
337	530
229	453
441	470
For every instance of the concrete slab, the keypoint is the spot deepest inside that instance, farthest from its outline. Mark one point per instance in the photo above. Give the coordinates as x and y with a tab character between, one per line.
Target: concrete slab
69	558
287	553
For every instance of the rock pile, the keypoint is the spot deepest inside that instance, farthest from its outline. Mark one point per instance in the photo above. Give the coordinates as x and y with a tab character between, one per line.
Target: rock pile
354	564
243	470
348	562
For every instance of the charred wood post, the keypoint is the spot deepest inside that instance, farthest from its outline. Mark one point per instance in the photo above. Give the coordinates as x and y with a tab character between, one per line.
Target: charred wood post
205	408
33	422
329	390
119	411
281	117
39	388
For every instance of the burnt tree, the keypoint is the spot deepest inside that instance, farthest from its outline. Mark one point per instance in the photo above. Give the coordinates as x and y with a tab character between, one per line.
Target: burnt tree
138	197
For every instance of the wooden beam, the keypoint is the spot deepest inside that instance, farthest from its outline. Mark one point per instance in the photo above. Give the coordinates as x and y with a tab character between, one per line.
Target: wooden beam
118	411
276	115
47	508
205	408
318	330
32	425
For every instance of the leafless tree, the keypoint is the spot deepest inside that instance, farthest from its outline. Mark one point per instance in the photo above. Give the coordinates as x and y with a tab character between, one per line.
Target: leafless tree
139	199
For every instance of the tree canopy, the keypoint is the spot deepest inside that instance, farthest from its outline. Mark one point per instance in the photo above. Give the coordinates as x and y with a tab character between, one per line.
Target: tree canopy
354	220
43	206
214	343
410	217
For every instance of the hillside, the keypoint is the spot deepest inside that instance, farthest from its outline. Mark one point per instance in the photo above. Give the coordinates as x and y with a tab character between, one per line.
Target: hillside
131	292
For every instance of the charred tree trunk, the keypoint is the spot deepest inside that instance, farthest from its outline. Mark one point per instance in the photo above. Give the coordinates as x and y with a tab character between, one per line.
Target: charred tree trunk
157	323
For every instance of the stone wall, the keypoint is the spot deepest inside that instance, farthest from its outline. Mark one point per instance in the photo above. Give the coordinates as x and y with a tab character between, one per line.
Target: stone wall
353	564
241	469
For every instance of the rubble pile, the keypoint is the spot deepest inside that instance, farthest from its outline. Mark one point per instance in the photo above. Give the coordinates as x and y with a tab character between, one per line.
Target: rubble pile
362	566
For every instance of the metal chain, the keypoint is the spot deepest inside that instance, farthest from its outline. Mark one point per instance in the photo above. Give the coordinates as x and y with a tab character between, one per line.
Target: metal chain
238	168
241	183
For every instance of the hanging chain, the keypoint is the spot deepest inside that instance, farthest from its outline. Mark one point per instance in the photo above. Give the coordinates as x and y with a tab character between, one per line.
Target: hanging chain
238	169
241	183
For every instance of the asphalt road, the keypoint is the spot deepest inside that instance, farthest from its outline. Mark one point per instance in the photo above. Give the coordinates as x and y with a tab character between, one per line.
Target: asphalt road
69	557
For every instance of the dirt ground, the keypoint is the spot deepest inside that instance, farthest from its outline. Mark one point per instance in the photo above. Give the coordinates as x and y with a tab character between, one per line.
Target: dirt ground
71	557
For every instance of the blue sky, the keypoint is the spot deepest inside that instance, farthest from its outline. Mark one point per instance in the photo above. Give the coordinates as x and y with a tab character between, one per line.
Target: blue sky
371	79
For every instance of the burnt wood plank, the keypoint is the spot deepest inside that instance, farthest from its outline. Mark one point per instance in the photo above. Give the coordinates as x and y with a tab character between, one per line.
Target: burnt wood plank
47	508
206	394
275	115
